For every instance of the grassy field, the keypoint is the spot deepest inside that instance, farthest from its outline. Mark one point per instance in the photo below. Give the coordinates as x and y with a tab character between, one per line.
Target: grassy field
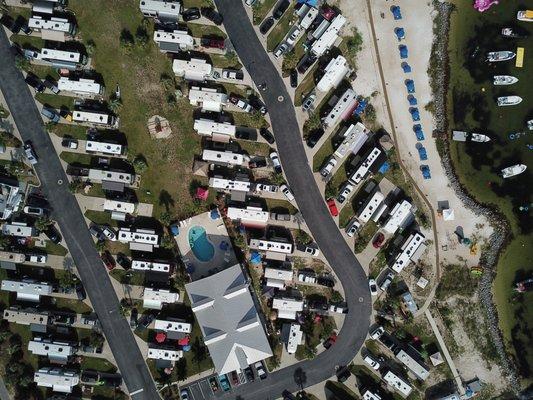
76	306
323	153
55	101
471	95
279	31
261	9
138	71
306	86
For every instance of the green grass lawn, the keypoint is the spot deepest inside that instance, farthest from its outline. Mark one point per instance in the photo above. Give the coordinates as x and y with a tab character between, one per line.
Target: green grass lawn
131	277
55	249
305	86
74	131
225	61
100	217
364	236
25	335
261	9
323	153
76	158
98	364
255	148
471	95
76	306
274	204
337	180
55	101
138	71
279	31
199	30
25	41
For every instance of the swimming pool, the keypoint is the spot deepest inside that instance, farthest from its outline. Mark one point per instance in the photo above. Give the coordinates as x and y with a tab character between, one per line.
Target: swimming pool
201	247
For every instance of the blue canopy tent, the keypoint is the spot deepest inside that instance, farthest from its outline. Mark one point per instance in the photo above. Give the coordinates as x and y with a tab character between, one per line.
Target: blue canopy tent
426	172
312	3
410	85
214	214
400	33
422	152
255	258
417	128
414	113
396	12
406	67
361	106
404	53
412	100
384	167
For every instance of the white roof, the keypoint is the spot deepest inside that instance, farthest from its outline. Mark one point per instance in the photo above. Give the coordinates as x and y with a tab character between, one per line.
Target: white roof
229	184
172	325
208	98
146	265
120	206
224	157
448	214
19	229
52	349
295	338
81	86
368	395
343	107
12	257
275	283
26	317
29	290
52	24
334	73
160	8
249	215
144	236
155	298
111	176
354	138
93	117
270	245
10	197
397	383
181	38
60	380
194	70
398	216
103	147
329	37
157	353
371	207
275	273
414	366
228	320
208	127
308	18
60	55
287	307
409	248
363	169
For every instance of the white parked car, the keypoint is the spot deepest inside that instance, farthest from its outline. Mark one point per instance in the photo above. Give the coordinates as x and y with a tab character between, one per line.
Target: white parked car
329	167
109	233
37	258
260	370
36	211
294	35
282	48
306	278
376	333
262	187
372	285
370	361
312	250
30	153
275	162
287	192
353	227
347	189
387	281
250	3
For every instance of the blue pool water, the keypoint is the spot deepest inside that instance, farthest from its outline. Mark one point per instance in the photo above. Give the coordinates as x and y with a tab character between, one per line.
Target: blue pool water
201	247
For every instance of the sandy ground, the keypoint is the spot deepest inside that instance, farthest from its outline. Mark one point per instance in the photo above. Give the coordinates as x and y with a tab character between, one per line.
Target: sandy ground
417	21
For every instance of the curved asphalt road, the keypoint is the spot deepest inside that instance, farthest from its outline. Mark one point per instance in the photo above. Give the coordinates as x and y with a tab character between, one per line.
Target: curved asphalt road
314	210
67	213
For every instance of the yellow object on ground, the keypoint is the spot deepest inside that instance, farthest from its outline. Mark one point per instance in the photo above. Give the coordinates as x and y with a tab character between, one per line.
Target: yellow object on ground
473	249
519	57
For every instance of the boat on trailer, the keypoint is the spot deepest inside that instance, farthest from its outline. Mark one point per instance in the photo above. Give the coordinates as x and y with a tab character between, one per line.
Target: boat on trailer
513	170
501	80
480	138
509	101
525	15
495	56
513	33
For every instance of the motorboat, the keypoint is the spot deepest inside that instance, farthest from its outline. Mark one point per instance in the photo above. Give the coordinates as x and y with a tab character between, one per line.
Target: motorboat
525	15
513	170
495	56
509	100
513	34
530	124
478	137
500	80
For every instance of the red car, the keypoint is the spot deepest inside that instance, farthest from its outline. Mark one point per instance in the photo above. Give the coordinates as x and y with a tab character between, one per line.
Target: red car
332	207
214	43
329	341
108	260
378	240
328	13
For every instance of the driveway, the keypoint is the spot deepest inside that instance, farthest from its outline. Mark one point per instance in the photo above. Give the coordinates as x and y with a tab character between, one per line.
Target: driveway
311	204
70	219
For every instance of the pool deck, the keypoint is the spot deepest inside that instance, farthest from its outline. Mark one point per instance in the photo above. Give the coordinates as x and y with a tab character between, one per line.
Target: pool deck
216	233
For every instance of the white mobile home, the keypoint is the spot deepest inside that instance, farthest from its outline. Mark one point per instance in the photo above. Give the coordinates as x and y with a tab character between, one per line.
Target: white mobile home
55	351
94	117
18	229
92	146
249	216
101	175
156	353
209	99
400	215
287	307
194	70
397	383
354	138
29	316
174	42
363	169
146	265
229	184
412	247
80	86
119	206
156	298
52	55
161	9
270	245
371	207
58	379
143	236
39	23
334	73
308	18
217	130
329	37
172	325
224	157
28	290
343	108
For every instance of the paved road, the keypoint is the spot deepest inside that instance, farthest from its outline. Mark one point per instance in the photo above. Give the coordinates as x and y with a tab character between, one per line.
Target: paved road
314	210
4	394
67	213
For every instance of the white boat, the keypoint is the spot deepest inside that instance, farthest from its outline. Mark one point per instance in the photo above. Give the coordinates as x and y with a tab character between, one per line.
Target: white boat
478	137
530	124
509	100
500	80
494	56
513	170
525	15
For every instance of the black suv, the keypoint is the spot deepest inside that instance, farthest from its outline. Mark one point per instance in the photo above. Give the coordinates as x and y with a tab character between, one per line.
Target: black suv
191	14
280	10
314	137
294	78
35	82
212	15
266	25
267	135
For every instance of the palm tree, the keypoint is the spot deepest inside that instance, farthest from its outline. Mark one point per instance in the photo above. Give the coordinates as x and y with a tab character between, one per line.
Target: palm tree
115	105
42	224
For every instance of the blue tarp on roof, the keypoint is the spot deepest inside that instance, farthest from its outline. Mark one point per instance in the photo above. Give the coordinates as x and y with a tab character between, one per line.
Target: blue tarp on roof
400	33
308	2
384	167
404	53
406	67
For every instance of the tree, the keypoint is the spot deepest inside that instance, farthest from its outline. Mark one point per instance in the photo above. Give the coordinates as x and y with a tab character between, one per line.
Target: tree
96	340
168	242
199	352
167	82
43	223
277	179
67	280
140	164
165	218
99	245
310	352
75	186
22	63
4	241
126	40
313	123
290	61
302	237
336	297
181	369
141	36
354	44
90	47
115	104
